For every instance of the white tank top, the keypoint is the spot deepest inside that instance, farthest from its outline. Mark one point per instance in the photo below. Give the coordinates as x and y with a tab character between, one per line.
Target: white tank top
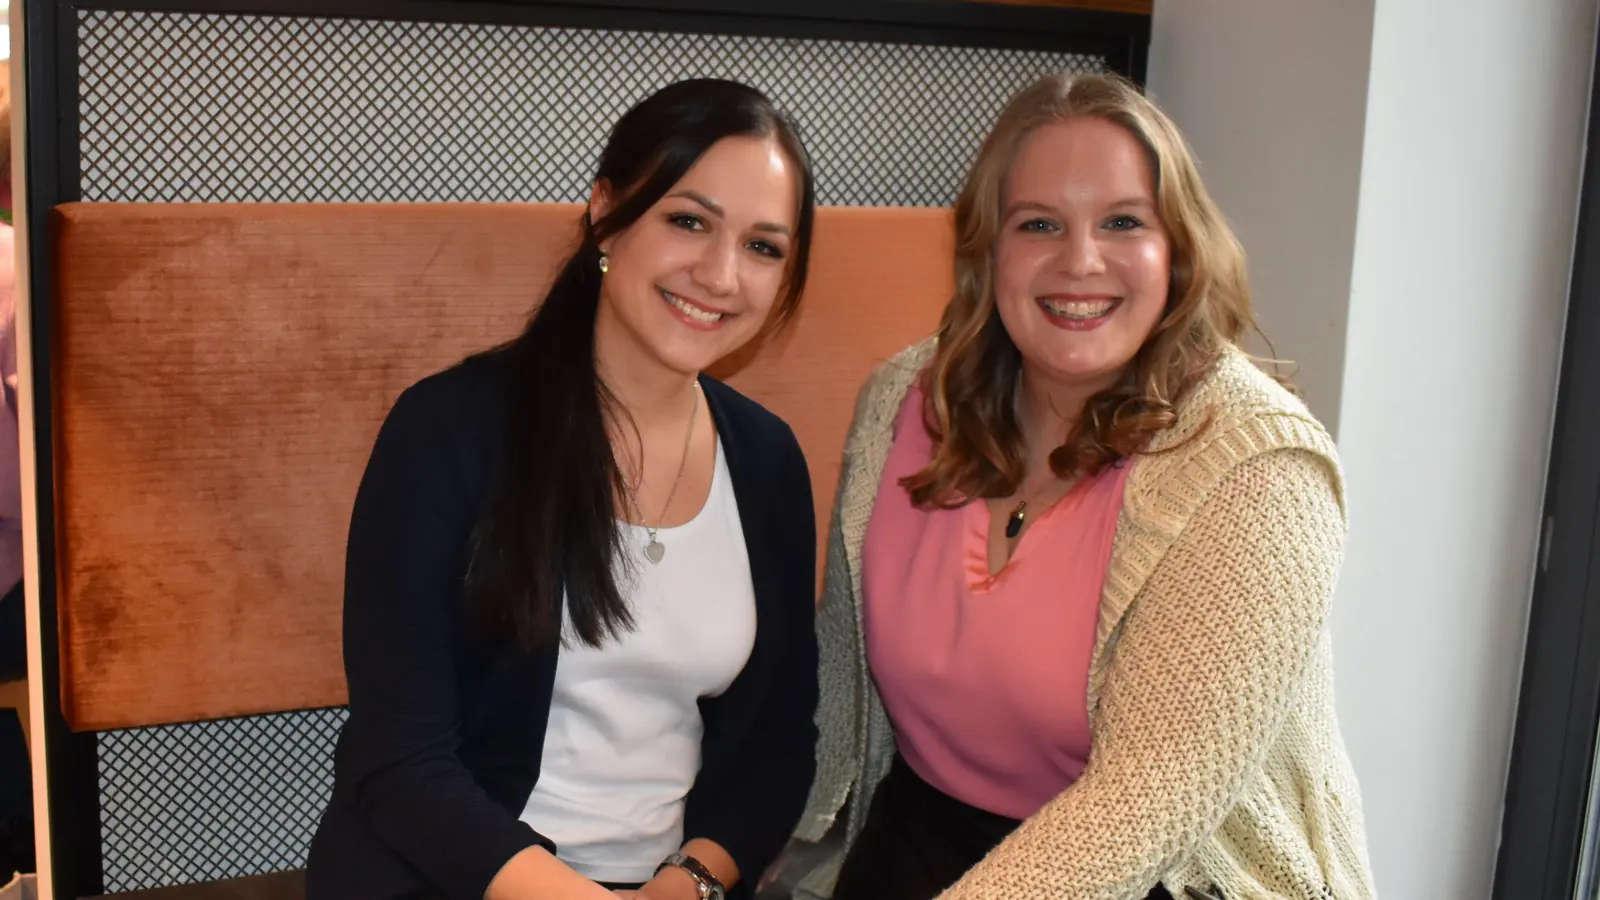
623	744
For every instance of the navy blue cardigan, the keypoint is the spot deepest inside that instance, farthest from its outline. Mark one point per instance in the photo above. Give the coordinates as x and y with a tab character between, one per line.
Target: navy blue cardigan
443	743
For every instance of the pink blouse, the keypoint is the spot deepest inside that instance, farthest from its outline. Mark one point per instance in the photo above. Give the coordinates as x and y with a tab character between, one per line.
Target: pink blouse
985	677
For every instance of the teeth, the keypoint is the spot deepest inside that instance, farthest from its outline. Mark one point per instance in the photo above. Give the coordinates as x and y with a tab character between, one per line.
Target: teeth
693	312
1080	309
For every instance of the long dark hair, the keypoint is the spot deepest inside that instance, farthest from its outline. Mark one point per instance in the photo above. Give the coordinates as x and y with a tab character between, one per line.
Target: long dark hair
551	523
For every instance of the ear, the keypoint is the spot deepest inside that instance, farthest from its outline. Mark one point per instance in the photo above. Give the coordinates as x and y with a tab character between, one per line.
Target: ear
600	201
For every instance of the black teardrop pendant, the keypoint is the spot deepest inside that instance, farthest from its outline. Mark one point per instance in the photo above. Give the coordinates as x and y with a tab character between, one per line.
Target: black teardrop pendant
1014	523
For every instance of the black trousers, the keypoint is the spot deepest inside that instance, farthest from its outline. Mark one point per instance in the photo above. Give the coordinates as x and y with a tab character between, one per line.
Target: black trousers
918	841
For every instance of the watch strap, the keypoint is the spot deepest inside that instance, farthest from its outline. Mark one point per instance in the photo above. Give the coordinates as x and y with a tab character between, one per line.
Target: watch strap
710	887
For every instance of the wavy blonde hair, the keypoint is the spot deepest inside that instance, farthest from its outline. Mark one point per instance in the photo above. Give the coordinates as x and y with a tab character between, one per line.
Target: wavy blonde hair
970	385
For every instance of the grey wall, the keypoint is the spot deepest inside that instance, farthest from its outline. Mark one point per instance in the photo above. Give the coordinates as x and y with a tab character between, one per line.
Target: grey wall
1405	176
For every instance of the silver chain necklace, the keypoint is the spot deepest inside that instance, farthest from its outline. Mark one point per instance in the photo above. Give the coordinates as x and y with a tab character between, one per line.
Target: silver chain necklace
654	550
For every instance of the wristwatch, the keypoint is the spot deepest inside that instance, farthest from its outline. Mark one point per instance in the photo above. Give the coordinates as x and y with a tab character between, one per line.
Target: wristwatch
710	887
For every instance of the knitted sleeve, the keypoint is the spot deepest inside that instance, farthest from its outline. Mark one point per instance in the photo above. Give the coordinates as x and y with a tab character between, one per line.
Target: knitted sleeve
841	655
1212	654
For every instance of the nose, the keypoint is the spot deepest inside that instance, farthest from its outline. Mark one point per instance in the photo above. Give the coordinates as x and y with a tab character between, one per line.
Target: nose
717	269
1080	253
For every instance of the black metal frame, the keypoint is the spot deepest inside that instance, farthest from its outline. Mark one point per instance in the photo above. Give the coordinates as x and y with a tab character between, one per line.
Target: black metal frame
1552	757
71	770
1121	39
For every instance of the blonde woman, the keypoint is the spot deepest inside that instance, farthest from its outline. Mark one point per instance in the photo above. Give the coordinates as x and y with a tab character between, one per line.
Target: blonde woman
1075	624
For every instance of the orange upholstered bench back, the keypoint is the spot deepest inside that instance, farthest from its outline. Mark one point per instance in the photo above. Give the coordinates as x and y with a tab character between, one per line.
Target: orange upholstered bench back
220	372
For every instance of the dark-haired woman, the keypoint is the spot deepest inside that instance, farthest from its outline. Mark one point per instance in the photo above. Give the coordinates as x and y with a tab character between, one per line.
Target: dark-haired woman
579	582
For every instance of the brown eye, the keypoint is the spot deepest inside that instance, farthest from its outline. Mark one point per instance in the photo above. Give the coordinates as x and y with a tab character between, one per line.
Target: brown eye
766	248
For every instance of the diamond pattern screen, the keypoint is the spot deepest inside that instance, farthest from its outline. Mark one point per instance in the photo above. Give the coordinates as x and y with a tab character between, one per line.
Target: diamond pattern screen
180	107
213	800
219	108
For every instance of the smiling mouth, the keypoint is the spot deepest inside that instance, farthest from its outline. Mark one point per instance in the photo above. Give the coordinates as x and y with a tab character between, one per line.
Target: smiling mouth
1080	310
694	312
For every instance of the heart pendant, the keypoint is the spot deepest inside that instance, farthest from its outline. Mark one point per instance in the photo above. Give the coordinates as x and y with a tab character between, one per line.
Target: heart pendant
653	551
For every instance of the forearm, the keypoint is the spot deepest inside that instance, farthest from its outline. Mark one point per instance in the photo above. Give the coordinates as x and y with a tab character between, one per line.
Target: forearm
714	857
673	883
534	874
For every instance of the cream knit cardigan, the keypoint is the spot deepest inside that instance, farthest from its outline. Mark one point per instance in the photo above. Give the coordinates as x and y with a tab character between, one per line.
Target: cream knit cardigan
1217	762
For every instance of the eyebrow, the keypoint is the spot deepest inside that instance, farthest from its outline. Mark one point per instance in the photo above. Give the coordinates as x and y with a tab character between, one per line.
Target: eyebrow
1138	202
1036	207
716	209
